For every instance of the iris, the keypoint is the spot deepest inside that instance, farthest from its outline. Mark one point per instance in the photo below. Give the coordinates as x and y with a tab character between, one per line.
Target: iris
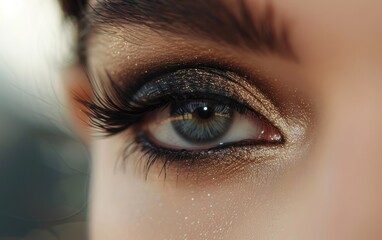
201	121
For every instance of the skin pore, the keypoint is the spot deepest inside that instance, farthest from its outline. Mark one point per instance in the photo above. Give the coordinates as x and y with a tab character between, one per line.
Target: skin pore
312	70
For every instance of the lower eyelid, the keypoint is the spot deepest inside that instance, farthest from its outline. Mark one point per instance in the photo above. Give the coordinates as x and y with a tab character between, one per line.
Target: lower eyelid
218	165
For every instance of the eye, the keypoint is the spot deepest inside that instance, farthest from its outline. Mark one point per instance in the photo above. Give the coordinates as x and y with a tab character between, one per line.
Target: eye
205	124
191	118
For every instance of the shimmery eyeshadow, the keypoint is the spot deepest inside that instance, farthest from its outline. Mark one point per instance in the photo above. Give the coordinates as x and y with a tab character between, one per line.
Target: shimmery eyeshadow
211	81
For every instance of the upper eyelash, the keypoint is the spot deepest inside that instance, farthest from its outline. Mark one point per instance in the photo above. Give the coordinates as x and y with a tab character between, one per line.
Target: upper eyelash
106	115
116	110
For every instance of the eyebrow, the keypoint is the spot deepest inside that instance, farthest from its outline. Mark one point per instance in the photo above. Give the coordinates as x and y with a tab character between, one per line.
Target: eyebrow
208	19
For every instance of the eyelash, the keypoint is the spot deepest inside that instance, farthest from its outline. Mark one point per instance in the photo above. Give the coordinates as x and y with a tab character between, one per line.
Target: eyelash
114	111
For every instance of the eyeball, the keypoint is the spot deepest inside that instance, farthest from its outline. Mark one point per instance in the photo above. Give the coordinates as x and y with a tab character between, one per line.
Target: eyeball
204	124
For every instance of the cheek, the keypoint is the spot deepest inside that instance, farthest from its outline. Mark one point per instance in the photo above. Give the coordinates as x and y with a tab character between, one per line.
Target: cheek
126	206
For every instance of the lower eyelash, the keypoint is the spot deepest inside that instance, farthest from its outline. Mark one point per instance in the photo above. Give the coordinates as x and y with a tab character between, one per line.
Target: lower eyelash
183	160
152	155
147	157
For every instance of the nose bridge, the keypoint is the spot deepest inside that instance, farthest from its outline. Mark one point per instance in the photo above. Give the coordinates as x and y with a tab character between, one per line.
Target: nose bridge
348	156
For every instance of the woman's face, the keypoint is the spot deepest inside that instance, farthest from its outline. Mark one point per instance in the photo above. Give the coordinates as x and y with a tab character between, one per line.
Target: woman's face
248	119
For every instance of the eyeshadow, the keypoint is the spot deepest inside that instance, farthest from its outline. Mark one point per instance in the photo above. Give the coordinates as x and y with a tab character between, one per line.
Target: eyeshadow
210	81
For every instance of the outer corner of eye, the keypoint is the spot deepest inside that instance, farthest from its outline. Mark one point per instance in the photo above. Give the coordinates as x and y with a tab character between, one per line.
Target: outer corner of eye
269	133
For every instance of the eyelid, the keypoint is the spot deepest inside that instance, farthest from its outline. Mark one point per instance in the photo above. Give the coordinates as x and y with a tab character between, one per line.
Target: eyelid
213	81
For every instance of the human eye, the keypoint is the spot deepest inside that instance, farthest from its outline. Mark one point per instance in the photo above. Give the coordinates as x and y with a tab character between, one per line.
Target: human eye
191	118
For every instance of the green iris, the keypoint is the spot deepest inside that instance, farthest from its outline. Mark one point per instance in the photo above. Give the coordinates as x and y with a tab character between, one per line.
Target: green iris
201	121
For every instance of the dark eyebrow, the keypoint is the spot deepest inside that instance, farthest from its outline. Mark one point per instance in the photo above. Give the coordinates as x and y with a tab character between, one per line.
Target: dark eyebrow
210	19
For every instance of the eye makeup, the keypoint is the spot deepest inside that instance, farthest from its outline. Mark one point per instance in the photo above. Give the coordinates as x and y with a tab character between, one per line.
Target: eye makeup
126	108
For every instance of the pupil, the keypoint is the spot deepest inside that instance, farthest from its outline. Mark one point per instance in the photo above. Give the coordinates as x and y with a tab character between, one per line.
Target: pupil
204	113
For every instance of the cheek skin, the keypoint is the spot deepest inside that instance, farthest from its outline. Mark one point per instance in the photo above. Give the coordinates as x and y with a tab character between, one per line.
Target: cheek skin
125	206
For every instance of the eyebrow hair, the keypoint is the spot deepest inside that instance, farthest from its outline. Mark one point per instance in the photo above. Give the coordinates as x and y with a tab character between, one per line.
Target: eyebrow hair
209	19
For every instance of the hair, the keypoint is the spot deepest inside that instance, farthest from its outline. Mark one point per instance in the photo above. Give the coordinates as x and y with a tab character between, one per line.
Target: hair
73	8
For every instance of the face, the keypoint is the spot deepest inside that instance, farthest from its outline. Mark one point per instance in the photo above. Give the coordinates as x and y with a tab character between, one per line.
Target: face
249	119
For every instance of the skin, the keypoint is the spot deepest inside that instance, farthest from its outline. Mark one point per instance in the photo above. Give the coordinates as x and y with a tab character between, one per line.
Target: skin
332	192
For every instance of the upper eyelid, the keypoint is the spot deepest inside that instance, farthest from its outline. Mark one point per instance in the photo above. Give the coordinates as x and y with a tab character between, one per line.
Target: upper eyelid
233	84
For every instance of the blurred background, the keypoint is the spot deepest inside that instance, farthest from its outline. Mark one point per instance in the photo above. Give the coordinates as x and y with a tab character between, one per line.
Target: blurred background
44	168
